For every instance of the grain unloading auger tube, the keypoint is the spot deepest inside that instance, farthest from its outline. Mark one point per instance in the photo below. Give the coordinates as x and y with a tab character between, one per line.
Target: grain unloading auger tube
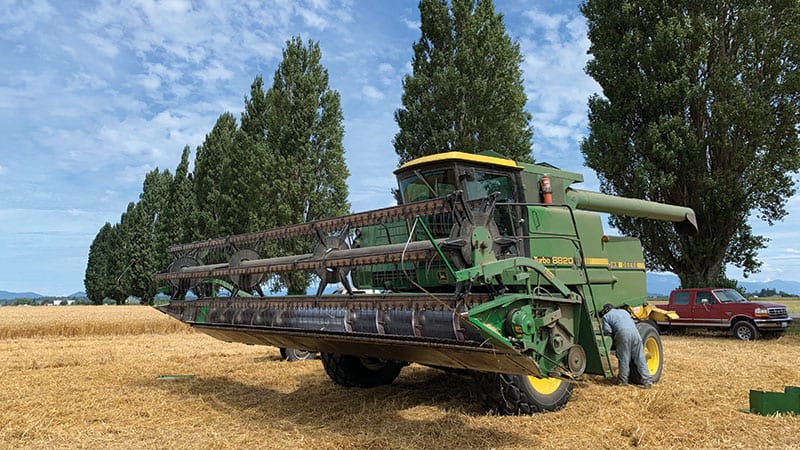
489	265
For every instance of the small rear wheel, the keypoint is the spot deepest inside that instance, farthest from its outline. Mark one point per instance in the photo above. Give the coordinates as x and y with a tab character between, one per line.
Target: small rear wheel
744	331
352	371
519	394
293	354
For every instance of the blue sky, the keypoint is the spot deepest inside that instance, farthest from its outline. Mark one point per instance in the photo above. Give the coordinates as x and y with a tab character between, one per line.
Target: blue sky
95	94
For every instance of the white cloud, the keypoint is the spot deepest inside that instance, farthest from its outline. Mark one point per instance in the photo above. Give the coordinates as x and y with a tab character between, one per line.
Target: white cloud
554	47
411	24
2	170
372	93
21	17
550	24
214	72
313	19
86	81
386	69
388	75
151	82
104	46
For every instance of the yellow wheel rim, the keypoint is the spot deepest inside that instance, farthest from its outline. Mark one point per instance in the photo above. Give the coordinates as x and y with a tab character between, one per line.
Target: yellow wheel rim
651	354
544	386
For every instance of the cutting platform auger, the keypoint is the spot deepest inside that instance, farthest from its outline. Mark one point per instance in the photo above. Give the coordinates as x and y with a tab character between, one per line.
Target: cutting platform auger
488	266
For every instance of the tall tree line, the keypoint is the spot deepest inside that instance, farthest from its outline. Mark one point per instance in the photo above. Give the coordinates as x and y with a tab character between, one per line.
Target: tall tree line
283	163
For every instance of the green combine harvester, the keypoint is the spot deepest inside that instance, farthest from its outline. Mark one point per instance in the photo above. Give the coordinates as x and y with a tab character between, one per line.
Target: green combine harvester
488	266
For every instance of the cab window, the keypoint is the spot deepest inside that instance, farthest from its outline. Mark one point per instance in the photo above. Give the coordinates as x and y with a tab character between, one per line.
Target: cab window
481	185
680	298
431	184
705	296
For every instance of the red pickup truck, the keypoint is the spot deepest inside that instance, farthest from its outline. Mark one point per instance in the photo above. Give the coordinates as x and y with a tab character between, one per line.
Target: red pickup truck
724	309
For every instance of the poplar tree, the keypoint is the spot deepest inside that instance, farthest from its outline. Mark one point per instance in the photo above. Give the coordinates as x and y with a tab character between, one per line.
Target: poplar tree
465	92
140	242
178	223
99	278
252	149
700	107
215	167
105	266
303	137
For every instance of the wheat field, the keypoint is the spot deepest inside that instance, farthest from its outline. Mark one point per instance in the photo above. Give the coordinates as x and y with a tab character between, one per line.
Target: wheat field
86	377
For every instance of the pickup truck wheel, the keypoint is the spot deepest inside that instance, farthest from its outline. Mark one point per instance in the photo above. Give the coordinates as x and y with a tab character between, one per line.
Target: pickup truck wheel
744	331
653	353
519	394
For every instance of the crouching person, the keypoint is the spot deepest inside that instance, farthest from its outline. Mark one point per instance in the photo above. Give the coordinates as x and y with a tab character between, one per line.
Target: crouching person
628	343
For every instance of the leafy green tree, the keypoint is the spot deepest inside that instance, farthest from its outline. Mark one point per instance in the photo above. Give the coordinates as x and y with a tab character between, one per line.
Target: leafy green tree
105	267
252	151
232	172
465	92
178	222
140	228
303	136
218	213
256	107
98	279
700	107
116	265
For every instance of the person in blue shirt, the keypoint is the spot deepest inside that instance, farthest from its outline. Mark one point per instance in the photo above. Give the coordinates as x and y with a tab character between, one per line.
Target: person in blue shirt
628	343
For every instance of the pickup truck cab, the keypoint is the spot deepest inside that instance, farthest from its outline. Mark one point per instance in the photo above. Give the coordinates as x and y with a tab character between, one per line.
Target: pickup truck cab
724	309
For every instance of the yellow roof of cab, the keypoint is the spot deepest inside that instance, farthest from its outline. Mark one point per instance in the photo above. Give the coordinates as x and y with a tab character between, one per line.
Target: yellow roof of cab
460	156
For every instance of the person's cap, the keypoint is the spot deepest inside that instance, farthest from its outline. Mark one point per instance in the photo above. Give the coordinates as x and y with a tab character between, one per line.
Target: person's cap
606	308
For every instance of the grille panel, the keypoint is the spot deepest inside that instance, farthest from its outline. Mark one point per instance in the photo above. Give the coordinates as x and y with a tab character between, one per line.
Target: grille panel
777	313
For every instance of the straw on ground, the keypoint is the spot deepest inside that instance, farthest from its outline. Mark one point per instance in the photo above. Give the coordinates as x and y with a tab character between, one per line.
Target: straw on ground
97	387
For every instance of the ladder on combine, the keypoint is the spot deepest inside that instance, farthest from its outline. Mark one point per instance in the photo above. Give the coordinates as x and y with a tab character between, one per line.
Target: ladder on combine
593	311
603	342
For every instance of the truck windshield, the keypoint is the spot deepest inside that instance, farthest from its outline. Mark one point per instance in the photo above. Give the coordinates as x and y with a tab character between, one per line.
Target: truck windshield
729	296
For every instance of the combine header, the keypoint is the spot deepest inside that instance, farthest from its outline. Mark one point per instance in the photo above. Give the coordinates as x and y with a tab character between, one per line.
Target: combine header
488	266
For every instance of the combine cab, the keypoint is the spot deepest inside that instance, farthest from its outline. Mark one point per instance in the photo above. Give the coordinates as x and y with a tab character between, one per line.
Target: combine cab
488	266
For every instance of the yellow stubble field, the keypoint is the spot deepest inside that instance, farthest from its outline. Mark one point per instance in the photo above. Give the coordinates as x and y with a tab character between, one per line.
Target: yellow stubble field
85	377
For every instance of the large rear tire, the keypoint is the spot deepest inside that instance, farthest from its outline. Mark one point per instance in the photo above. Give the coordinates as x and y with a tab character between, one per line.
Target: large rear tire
352	371
653	353
519	394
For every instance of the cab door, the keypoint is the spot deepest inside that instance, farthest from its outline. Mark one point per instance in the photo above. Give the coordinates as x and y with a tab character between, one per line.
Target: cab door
682	304
706	309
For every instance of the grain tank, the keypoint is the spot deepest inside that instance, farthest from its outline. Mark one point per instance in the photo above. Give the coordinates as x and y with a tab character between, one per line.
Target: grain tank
487	266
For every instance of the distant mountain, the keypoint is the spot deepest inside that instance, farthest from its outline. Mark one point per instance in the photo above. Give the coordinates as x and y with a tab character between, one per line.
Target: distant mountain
79	294
660	285
5	295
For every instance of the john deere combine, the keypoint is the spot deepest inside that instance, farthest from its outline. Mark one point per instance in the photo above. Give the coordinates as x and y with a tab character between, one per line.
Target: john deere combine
488	266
